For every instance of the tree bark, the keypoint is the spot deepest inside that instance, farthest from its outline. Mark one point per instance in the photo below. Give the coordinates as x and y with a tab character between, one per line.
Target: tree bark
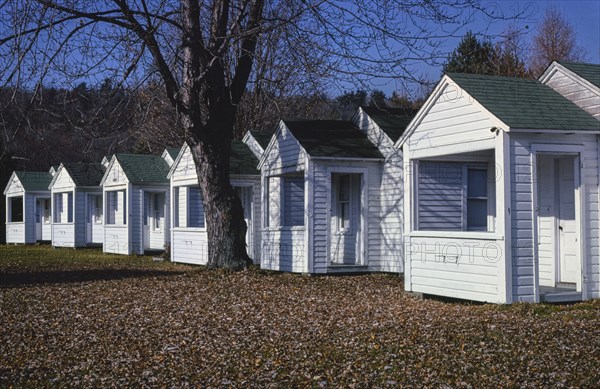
223	210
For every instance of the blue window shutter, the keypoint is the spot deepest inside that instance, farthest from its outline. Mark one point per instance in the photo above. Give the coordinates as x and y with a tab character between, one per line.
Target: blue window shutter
293	201
195	208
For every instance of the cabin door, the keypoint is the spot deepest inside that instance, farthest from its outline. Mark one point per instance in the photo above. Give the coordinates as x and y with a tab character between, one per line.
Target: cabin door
245	195
558	236
346	222
38	219
568	262
94	219
46	219
154	221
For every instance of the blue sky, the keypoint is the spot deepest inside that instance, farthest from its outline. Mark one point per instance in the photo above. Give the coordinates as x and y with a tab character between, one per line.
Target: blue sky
583	15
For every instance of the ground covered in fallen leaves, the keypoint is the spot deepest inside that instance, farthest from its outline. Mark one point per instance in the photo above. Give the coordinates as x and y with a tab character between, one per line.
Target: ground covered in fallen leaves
81	318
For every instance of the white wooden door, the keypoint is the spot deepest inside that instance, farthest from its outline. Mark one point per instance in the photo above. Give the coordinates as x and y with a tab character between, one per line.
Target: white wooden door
567	222
46	219
345	221
547	223
154	221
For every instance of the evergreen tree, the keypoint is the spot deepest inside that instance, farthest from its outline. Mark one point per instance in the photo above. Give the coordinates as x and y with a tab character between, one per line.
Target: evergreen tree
471	56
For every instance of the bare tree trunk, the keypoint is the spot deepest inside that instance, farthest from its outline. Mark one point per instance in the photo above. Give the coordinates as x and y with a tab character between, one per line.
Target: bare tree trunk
222	207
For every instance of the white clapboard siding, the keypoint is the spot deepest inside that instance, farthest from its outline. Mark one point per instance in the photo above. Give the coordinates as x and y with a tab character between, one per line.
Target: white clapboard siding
391	207
283	249
454	267
63	235
284	152
116	240
523	216
453	121
575	89
440	188
189	245
15	232
135	213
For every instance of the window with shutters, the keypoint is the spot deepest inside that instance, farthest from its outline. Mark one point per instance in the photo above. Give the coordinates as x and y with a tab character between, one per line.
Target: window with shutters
293	201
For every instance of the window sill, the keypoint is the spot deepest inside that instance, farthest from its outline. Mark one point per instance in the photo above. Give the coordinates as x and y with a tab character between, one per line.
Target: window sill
456	235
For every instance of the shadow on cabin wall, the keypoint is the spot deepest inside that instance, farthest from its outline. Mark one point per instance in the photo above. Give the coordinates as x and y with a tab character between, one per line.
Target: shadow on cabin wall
6	169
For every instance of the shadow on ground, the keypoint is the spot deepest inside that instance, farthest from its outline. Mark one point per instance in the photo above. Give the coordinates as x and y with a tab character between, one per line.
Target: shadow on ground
11	280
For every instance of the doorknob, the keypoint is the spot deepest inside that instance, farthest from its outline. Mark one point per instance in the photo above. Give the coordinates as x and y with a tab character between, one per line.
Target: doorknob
560	228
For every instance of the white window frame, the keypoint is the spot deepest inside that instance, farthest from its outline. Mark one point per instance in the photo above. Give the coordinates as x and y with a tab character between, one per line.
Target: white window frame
283	206
115	193
490	199
9	214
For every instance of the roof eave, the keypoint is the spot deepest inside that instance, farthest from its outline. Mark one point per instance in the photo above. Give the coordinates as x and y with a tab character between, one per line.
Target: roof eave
556	131
10	180
322	158
177	160
555	67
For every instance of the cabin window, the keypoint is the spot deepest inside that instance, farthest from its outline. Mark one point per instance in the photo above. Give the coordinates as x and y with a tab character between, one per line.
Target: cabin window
116	207
293	201
15	209
46	211
454	196
477	199
176	206
157	210
69	207
97	204
59	208
343	202
195	217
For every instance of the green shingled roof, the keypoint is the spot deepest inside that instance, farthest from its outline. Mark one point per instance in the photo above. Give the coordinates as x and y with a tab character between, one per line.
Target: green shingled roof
588	71
393	121
144	169
34	181
85	174
332	138
242	159
262	137
525	104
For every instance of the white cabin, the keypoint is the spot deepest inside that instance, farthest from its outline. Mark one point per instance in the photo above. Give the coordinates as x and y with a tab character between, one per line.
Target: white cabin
188	235
321	183
136	204
578	82
501	183
77	203
28	210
